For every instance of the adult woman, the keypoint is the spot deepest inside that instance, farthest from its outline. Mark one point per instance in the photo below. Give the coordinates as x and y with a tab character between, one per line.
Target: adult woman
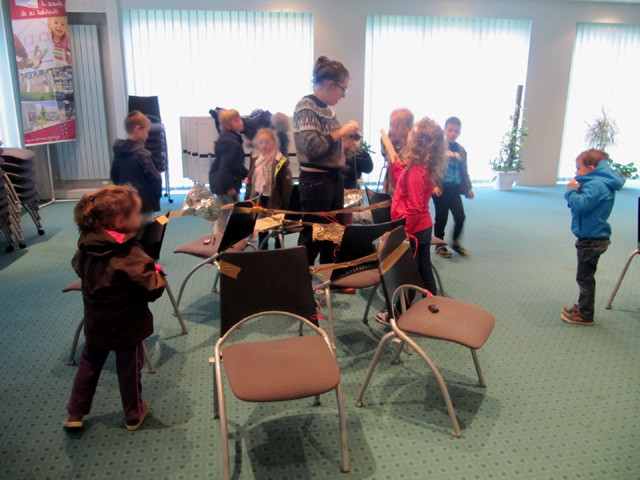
318	136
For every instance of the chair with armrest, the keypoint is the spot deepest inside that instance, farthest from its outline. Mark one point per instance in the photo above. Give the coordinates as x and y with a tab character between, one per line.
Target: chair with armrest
236	237
289	368
450	320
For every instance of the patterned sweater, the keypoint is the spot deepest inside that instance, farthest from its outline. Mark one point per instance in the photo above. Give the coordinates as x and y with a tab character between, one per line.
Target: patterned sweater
313	123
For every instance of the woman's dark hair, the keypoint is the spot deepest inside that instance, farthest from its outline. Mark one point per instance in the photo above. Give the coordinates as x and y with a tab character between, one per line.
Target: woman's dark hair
325	69
99	210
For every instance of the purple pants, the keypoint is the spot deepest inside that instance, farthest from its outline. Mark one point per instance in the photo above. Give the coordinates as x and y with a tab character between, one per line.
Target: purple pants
129	363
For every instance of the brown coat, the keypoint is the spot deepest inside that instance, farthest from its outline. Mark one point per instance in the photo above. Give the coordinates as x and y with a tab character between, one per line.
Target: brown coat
281	183
118	282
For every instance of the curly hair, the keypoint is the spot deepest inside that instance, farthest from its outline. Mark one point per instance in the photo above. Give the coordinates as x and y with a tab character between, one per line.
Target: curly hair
99	210
426	146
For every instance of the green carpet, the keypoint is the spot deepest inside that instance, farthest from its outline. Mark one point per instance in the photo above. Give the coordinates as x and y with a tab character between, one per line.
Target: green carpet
562	401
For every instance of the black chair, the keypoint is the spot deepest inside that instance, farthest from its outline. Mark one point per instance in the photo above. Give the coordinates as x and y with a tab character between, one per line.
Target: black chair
291	224
289	368
237	236
379	215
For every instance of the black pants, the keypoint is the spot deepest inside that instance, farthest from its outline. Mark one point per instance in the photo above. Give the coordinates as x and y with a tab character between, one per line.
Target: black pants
423	259
450	200
589	251
319	192
264	202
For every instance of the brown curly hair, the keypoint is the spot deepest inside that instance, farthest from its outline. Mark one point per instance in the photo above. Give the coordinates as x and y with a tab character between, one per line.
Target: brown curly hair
426	146
99	210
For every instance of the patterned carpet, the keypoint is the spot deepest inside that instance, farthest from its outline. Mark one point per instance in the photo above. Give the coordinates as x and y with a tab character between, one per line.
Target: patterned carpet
562	401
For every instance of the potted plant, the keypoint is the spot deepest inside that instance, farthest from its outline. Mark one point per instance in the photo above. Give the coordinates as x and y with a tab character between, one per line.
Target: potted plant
602	134
508	164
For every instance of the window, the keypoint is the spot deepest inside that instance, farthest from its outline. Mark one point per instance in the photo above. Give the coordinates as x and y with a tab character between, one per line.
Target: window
442	67
605	74
194	60
9	122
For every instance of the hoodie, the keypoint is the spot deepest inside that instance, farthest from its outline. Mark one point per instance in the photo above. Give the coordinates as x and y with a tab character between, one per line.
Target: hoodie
118	282
591	204
133	165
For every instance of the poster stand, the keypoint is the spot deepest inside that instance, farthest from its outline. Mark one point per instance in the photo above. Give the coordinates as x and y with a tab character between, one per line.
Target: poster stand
53	191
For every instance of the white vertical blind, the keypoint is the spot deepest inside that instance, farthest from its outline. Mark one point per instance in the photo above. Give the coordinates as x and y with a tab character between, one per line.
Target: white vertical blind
9	126
442	67
605	74
194	60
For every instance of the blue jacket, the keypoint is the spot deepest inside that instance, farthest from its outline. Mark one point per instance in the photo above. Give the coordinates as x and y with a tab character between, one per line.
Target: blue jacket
591	204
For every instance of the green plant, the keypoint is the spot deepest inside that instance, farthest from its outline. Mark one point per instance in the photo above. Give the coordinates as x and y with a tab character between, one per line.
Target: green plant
628	171
602	133
366	146
508	159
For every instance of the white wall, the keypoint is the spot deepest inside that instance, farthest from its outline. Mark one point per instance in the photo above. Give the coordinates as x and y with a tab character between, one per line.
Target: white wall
340	33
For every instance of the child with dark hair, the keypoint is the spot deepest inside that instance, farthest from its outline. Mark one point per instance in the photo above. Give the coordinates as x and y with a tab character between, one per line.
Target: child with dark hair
590	196
118	282
447	193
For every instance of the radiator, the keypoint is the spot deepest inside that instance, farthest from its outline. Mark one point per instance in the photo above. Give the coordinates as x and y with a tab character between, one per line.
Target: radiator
86	158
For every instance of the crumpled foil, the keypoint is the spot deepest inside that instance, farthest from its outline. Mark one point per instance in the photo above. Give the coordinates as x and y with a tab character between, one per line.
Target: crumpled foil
200	202
331	232
353	198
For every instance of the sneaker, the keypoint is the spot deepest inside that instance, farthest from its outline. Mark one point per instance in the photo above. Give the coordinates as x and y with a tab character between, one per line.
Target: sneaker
136	424
571	310
576	318
443	252
460	250
72	421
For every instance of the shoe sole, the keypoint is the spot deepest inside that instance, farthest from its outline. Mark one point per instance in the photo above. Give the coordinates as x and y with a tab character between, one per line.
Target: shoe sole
444	255
573	322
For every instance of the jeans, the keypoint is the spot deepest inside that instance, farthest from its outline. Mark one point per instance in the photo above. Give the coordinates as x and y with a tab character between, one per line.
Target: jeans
129	363
450	200
221	222
423	259
319	192
589	251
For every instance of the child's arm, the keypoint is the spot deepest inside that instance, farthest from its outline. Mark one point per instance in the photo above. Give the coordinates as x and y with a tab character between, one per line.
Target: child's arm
585	198
464	170
141	270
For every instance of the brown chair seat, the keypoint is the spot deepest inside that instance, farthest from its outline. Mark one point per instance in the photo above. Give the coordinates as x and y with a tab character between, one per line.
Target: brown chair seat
458	322
283	369
74	286
199	248
363	279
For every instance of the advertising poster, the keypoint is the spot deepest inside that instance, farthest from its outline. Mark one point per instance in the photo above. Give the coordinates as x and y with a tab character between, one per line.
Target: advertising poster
43	59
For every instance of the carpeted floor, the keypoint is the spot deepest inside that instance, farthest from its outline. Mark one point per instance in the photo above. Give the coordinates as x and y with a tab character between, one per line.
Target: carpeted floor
562	401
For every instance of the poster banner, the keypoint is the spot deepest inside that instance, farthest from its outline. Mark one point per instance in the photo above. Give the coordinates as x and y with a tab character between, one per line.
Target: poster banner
43	60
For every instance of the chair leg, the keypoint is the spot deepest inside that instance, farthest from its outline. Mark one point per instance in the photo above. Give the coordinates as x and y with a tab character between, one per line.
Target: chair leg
443	386
224	433
438	279
372	294
396	357
74	345
147	357
344	439
216	408
215	283
316	401
332	333
619	282
372	366
176	309
191	272
476	362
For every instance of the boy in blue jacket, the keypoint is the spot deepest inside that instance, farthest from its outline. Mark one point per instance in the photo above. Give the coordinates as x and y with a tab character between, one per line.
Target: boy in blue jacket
590	196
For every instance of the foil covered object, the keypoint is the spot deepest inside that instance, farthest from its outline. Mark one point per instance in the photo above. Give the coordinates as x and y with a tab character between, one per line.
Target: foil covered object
200	202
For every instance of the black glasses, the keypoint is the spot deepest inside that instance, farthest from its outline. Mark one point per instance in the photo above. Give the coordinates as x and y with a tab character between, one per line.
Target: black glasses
344	90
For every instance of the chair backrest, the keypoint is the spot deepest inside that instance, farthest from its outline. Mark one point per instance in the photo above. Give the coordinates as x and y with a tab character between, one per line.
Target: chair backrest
379	215
240	225
396	263
262	281
150	106
357	242
151	237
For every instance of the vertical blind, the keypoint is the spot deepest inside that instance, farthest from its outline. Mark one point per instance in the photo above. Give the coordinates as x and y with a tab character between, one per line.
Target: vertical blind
194	60
605	74
442	67
9	126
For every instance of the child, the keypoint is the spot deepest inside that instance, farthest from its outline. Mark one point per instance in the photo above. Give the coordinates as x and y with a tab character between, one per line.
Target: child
227	170
424	158
357	161
59	28
269	176
590	196
133	164
446	195
400	124
118	282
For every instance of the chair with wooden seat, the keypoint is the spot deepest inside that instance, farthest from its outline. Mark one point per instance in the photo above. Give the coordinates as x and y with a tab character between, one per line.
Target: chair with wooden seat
454	321
294	367
236	237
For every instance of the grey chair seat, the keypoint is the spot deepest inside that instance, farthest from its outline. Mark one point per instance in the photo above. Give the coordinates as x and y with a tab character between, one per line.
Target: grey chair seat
363	279
198	248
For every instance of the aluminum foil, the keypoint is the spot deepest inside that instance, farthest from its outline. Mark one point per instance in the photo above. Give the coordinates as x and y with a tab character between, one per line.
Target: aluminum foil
200	202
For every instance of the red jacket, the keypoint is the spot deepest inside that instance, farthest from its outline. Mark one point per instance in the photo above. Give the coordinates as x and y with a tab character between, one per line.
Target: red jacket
411	199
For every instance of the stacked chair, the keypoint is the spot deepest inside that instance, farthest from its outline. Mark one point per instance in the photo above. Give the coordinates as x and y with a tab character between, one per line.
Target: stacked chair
17	190
157	141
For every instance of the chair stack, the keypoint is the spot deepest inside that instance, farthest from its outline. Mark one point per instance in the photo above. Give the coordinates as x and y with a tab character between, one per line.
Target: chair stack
9	212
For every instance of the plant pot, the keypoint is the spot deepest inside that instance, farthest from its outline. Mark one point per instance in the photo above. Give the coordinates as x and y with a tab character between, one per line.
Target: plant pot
504	180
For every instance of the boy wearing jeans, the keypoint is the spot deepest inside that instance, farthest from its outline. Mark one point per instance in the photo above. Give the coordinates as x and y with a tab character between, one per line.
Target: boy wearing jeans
590	196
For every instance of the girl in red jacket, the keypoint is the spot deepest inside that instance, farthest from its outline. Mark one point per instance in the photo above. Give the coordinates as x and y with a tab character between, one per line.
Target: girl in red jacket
422	165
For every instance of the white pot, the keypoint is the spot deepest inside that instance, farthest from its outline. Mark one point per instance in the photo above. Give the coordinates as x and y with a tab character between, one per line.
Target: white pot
505	180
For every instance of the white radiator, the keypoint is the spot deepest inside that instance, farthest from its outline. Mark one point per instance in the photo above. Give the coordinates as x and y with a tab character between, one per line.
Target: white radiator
86	158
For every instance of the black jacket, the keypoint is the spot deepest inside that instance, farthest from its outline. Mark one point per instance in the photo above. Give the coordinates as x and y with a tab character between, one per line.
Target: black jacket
281	183
133	165
227	170
118	282
357	162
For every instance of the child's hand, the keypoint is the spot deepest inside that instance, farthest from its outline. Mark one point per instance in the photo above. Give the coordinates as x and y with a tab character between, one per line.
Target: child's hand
573	184
231	192
437	191
471	195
